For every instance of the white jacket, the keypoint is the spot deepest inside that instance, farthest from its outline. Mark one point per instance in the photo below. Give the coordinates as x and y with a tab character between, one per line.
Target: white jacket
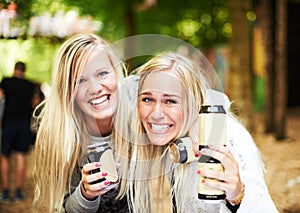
257	198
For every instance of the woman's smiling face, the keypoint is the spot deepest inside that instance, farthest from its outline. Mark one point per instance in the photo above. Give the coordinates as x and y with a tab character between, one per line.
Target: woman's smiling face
160	106
97	88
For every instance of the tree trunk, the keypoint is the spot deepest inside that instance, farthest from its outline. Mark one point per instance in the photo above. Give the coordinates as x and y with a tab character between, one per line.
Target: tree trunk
130	31
240	75
280	69
267	23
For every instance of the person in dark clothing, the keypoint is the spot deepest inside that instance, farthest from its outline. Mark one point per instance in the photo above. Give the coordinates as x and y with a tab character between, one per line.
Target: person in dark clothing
19	98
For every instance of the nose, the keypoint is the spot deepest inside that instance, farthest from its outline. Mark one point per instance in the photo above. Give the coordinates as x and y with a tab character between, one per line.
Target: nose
95	86
158	112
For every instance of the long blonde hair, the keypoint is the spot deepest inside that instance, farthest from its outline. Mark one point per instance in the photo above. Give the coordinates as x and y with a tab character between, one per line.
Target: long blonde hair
148	161
62	134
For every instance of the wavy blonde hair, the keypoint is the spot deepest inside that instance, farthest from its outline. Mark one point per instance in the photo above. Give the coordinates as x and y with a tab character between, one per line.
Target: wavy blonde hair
62	135
148	161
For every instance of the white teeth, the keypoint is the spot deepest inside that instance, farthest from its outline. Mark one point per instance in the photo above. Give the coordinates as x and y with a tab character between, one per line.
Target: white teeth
99	101
156	127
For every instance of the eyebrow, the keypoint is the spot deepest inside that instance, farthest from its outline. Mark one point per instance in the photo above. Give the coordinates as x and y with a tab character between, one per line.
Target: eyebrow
164	95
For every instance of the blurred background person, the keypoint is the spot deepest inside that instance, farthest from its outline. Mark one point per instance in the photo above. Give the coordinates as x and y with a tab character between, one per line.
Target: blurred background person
19	96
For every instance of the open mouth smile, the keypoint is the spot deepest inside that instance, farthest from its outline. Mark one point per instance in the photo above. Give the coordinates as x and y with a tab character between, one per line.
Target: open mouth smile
159	128
100	101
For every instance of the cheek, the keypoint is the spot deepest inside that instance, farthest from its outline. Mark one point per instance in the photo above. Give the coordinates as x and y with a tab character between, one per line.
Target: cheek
142	111
78	100
179	123
112	82
114	86
79	95
177	116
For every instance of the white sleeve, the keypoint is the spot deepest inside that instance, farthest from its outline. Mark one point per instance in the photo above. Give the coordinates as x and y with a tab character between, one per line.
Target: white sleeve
215	97
242	146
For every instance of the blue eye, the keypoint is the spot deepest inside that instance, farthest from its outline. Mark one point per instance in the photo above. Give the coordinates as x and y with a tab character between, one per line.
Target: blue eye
102	74
147	100
81	80
171	101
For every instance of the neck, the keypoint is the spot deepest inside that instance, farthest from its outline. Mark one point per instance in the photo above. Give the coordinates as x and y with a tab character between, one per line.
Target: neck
100	127
18	74
104	128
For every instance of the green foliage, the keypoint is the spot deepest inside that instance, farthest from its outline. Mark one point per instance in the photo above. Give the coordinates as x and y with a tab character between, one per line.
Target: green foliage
199	22
259	93
202	23
37	54
111	14
39	7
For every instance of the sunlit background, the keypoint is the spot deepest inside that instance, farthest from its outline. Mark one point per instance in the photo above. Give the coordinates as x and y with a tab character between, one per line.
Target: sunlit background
36	30
248	42
253	45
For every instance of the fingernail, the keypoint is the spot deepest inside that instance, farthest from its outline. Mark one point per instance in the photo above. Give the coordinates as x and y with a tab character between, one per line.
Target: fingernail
106	182
197	155
97	164
104	174
198	172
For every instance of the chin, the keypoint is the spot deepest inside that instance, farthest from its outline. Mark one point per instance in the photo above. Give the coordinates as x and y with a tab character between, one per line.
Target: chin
159	142
105	113
103	116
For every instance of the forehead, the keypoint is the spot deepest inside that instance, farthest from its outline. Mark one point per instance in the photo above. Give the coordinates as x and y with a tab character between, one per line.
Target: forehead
162	81
98	57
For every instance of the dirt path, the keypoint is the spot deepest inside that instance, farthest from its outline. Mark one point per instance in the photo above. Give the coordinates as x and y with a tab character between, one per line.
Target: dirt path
282	160
282	164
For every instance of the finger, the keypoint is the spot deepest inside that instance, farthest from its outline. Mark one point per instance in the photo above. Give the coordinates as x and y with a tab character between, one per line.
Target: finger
94	190
95	177
101	188
213	174
231	188
220	176
87	168
214	153
222	149
228	161
215	184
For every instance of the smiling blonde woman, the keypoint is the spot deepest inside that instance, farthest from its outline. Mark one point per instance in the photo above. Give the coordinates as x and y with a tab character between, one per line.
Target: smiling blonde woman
171	91
78	112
